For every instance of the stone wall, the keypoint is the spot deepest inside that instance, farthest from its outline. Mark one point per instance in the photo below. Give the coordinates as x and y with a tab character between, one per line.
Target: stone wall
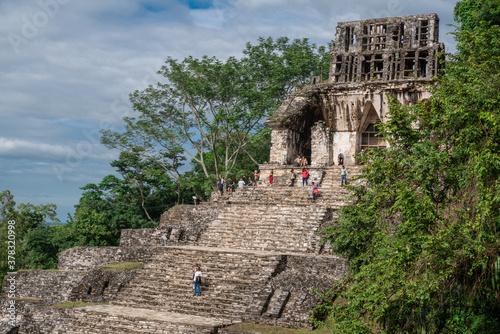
39	319
281	174
321	145
88	258
47	286
180	225
21	307
143	237
279	153
291	299
101	286
341	144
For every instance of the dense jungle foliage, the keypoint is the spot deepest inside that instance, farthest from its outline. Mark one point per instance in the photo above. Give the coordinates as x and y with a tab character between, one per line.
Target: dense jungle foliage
422	239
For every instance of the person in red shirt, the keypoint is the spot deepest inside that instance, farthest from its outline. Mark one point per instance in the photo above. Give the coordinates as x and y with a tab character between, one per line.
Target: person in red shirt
305	177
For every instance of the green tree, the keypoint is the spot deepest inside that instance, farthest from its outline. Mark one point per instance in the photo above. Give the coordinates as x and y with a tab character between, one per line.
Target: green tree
259	146
44	243
24	218
422	239
147	178
208	109
91	228
106	208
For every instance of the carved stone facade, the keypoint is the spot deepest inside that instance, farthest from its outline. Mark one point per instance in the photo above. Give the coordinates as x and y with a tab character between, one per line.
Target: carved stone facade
370	60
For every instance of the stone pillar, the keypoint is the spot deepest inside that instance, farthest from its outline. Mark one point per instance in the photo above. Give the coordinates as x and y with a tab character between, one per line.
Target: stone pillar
279	140
321	145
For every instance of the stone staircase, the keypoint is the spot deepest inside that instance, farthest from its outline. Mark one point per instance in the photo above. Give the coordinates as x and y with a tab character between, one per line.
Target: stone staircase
332	178
232	281
278	218
331	194
259	257
276	228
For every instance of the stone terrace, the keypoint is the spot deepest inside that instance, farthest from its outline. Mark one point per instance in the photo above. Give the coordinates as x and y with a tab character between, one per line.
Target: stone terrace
233	280
259	252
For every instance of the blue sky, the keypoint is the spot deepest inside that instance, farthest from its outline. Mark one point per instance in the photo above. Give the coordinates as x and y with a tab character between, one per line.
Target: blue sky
67	67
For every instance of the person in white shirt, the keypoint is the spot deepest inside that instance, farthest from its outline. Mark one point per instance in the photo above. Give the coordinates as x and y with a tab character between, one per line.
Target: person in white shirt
197	281
343	174
241	183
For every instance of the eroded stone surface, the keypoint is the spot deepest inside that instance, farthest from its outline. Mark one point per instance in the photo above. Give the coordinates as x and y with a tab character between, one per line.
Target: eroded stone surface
371	59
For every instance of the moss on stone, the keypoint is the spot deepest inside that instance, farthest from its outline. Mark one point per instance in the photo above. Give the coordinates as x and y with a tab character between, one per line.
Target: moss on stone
75	304
121	266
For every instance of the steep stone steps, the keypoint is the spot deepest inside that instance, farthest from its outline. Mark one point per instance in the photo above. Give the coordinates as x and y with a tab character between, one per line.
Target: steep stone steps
332	176
232	281
116	319
281	194
287	196
272	228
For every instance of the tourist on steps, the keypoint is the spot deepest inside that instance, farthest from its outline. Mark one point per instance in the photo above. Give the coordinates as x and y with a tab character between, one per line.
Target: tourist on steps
293	176
314	190
255	177
241	183
220	185
305	176
271	178
343	174
197	282
193	267
230	188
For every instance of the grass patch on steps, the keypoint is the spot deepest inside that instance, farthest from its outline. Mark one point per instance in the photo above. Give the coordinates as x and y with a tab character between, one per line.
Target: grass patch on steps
121	266
75	304
265	329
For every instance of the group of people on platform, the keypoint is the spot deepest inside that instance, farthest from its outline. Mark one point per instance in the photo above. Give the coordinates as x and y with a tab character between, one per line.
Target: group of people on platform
299	161
305	175
242	182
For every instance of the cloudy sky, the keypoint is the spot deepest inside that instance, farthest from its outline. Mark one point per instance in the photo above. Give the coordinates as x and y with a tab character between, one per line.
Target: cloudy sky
67	67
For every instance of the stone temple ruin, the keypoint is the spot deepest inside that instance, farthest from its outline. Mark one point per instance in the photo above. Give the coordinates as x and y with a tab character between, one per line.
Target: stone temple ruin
370	59
259	249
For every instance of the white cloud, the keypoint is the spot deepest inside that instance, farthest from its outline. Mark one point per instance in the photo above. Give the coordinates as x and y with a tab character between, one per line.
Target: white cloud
71	154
